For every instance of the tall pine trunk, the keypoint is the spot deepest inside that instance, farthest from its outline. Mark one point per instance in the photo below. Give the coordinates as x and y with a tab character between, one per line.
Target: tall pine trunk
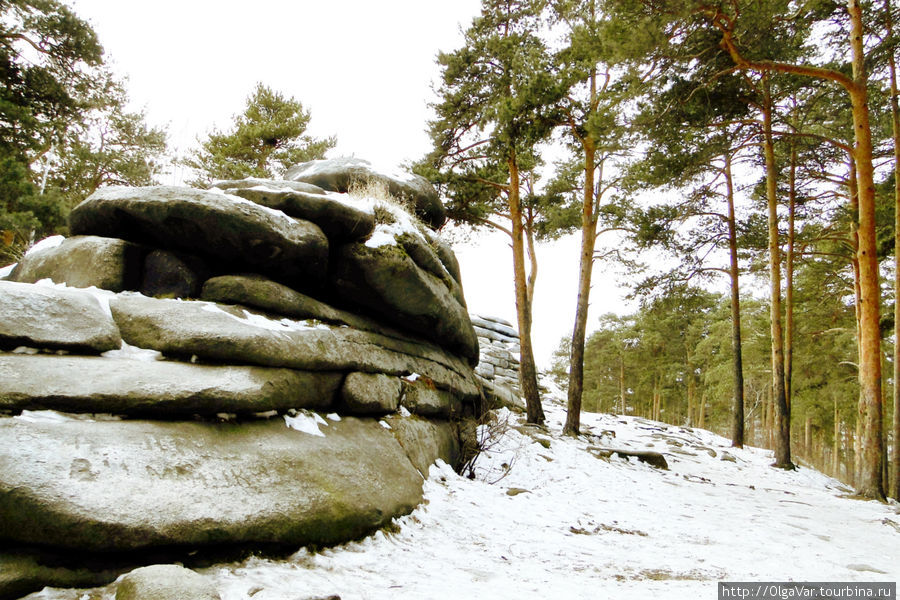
870	407
588	237
527	368
737	422
789	280
895	122
782	415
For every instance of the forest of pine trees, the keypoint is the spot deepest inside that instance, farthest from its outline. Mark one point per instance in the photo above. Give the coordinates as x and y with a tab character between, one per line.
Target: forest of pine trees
750	145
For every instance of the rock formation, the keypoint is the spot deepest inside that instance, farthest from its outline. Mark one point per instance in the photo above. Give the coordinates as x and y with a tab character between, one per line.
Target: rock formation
259	366
498	368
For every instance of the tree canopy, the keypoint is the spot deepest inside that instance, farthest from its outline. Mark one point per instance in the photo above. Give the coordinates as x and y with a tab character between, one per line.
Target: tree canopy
266	139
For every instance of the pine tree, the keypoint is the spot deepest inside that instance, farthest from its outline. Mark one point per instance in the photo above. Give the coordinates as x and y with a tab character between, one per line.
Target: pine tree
267	138
493	110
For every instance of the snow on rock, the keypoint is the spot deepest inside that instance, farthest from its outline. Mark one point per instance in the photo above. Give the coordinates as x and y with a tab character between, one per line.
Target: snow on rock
45	244
305	421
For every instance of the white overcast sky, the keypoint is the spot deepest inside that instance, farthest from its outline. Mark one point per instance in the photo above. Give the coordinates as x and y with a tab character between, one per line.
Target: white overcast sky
364	68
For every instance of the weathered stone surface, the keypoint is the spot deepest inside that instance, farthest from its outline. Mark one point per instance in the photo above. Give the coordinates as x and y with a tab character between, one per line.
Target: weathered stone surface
169	275
85	261
426	441
45	317
423	399
278	184
165	582
108	385
496	325
497	396
256	291
119	485
22	573
445	253
427	259
370	394
226	230
387	282
339	174
335	214
206	330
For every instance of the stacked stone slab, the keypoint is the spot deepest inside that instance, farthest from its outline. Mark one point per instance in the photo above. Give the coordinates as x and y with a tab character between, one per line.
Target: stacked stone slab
498	367
275	365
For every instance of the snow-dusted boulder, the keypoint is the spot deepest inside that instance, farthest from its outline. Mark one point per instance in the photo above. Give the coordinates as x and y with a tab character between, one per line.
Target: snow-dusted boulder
231	233
84	261
340	174
46	317
165	582
109	486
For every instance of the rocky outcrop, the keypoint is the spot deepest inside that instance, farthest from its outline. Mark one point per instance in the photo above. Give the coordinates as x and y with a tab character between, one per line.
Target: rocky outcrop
265	365
498	368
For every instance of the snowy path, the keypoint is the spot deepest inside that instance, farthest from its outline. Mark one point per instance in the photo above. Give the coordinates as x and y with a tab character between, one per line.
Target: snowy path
565	524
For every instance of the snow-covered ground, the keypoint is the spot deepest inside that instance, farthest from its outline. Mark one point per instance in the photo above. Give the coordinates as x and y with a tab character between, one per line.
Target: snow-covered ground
546	518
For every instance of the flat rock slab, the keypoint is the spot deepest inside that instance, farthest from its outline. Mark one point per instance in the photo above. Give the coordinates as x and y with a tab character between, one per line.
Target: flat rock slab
340	218
278	184
220	333
85	261
124	485
340	174
80	384
226	230
47	317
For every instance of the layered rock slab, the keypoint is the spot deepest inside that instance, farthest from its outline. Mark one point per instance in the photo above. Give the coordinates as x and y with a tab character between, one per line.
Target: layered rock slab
47	317
340	174
223	333
340	219
226	230
127	485
82	384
